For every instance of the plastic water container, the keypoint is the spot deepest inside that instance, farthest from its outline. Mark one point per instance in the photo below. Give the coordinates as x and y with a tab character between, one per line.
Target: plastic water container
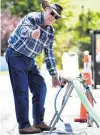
70	65
3	64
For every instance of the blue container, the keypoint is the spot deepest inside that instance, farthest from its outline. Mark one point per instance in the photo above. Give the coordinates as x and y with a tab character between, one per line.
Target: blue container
3	64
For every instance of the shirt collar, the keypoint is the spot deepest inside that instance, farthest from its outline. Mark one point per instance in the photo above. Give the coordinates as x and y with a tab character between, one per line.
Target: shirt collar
42	21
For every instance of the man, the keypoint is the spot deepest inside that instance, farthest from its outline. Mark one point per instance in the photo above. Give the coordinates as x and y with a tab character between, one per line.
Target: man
33	34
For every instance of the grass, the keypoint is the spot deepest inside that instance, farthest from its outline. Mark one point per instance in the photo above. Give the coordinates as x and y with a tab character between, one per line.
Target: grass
3	72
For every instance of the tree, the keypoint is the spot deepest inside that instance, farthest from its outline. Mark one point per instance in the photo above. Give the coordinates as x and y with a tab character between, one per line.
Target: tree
86	22
8	24
20	7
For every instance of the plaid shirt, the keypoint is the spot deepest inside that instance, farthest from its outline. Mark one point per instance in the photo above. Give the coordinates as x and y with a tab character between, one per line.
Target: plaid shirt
22	42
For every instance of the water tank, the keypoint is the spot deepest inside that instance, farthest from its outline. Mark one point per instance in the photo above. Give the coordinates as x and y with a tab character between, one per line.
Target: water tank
70	64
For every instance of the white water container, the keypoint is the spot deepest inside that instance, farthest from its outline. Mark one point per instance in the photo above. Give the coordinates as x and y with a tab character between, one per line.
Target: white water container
70	64
3	64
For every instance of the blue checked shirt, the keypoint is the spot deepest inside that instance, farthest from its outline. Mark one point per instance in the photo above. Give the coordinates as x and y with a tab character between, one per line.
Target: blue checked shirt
22	42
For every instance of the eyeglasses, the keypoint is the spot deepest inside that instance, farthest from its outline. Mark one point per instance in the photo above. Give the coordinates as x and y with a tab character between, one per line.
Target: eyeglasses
53	14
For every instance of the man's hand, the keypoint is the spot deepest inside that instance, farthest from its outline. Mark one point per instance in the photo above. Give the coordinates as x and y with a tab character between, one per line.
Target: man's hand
36	33
55	81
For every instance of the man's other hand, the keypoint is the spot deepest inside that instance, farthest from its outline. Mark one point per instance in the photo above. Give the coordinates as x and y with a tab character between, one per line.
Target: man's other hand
55	81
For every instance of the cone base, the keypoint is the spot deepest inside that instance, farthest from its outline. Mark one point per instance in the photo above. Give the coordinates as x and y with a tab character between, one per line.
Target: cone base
81	120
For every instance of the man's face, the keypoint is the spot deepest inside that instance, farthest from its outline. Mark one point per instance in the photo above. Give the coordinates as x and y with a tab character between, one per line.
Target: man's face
49	16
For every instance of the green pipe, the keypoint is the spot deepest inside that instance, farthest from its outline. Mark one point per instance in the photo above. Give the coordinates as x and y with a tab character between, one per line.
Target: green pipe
81	93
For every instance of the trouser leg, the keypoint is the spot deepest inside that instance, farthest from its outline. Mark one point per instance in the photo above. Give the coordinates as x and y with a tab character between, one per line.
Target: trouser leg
38	89
19	81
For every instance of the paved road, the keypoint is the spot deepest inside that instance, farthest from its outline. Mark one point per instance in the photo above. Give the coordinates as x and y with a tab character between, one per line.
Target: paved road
8	125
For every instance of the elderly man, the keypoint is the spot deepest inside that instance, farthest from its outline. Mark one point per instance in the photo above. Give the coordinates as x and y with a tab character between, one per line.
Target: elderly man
33	34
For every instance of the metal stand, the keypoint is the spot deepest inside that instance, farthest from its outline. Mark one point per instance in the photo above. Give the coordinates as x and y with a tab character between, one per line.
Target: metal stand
68	91
57	114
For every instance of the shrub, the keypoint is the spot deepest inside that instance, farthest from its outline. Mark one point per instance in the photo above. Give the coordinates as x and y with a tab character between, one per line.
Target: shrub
8	24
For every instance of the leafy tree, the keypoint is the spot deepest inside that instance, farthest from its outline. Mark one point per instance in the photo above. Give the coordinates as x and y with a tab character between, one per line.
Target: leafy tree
20	7
86	22
8	24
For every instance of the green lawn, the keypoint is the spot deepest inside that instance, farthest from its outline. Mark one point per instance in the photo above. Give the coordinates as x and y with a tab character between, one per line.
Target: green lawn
3	72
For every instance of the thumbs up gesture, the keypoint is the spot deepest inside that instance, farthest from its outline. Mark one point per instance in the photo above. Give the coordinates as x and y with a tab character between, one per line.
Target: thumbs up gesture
36	33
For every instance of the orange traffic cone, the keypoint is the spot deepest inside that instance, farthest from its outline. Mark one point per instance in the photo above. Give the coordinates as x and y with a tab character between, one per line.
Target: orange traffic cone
86	74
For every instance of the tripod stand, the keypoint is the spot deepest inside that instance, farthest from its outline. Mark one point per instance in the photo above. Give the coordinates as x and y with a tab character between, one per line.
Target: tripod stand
71	84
